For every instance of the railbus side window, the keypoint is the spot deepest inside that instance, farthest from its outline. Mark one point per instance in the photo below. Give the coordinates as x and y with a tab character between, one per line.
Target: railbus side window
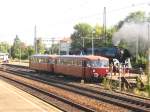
58	61
88	64
50	61
46	60
84	63
79	62
69	62
74	62
39	60
43	60
35	60
32	61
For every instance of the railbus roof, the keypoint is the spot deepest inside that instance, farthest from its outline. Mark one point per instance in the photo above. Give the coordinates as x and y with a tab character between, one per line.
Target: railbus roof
43	56
90	57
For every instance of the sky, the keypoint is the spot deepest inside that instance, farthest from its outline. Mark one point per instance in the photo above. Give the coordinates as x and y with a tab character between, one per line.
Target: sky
56	18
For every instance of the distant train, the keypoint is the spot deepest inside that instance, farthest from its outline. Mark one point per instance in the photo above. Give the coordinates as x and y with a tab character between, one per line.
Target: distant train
72	65
110	52
4	58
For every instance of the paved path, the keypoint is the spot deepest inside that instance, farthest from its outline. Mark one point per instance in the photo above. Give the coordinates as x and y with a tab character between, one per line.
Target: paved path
13	99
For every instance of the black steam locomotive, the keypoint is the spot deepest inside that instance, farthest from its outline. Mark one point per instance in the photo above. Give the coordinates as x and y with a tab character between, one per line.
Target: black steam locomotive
110	52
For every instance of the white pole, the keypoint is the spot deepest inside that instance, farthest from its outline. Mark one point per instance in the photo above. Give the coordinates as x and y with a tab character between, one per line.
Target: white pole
104	24
35	39
20	54
83	42
148	76
137	48
59	46
92	45
120	70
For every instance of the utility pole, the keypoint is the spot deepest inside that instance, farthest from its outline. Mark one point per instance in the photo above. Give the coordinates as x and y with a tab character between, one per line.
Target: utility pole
137	49
59	47
20	54
92	44
52	50
148	75
35	40
104	25
83	42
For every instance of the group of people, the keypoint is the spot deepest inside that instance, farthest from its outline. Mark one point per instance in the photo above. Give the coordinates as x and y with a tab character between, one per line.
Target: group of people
117	67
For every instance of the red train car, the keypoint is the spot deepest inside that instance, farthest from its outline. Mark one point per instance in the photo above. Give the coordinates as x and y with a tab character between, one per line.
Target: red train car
82	66
71	65
42	62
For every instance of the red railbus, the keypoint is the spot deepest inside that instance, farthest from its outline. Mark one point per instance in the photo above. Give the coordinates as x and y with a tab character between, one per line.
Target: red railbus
71	65
82	66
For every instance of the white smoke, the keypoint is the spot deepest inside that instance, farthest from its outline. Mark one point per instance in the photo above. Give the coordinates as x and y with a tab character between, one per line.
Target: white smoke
134	34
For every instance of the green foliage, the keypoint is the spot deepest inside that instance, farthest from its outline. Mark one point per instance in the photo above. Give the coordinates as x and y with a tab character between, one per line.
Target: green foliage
109	34
123	44
138	16
55	49
4	47
30	50
15	49
40	46
19	49
85	32
107	83
135	17
81	31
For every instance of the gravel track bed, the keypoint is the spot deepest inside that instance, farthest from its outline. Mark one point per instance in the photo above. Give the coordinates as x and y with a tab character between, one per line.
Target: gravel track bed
58	104
92	103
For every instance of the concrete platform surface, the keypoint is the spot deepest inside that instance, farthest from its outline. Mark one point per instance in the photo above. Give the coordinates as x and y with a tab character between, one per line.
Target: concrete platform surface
13	99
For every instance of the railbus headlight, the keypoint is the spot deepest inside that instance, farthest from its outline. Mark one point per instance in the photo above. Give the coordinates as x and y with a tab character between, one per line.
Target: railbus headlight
94	70
106	70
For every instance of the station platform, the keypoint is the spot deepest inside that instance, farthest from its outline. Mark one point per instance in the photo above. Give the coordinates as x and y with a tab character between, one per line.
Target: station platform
13	99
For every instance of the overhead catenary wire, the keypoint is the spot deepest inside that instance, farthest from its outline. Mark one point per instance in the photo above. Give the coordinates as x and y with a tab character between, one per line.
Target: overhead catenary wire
99	14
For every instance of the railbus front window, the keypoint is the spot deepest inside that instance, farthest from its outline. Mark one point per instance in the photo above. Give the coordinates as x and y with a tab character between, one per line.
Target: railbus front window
100	63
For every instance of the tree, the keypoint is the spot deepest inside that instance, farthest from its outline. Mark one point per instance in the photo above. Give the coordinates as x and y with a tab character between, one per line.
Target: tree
83	34
138	46
40	46
138	16
81	31
55	48
109	35
15	49
30	50
4	47
98	36
20	50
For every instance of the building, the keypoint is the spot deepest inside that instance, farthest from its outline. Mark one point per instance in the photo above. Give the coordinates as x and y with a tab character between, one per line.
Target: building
64	44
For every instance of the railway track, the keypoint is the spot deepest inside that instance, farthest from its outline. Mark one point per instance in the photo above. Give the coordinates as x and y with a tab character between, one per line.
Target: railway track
60	102
129	102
